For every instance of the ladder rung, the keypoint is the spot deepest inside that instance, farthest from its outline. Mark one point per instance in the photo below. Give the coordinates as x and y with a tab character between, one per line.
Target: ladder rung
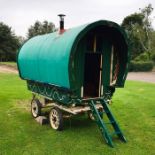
102	125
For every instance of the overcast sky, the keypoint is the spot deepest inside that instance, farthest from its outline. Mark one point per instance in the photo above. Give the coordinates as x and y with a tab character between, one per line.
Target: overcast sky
20	14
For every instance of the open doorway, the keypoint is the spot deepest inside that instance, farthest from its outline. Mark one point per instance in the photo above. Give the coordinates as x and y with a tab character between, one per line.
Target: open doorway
92	75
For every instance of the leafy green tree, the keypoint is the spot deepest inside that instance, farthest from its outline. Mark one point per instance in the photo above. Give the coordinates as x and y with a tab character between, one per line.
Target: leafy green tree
139	29
21	40
153	46
40	28
9	43
147	28
129	23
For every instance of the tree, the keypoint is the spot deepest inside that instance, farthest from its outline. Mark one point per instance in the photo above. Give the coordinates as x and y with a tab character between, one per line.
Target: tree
21	40
40	28
147	28
9	43
129	23
139	29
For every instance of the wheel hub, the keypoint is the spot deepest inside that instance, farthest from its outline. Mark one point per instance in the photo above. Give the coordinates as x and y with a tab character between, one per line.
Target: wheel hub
54	119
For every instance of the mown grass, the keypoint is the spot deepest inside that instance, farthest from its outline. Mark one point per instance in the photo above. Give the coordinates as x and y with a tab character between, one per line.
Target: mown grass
133	107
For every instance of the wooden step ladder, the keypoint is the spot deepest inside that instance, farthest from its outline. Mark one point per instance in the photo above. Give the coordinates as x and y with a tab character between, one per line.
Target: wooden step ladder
101	124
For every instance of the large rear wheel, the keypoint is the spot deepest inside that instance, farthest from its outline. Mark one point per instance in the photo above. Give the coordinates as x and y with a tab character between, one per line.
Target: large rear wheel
56	119
35	108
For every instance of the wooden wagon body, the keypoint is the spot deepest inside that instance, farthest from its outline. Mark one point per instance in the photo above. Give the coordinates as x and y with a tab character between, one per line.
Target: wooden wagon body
80	67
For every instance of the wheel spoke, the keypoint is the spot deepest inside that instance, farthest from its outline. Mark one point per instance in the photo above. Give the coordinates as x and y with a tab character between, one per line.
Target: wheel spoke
35	108
55	118
57	123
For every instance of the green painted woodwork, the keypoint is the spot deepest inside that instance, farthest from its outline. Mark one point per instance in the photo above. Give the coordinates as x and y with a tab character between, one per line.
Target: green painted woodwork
54	93
48	58
58	59
106	59
62	95
54	67
103	125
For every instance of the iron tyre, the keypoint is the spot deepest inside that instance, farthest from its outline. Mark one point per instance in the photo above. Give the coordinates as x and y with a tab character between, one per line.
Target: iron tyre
56	119
35	108
91	117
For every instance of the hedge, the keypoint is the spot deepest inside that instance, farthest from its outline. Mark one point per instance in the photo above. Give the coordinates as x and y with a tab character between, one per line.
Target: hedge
153	57
140	66
142	57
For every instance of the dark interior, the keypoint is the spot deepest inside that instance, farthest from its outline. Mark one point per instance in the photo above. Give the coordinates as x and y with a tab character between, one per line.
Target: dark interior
92	74
99	41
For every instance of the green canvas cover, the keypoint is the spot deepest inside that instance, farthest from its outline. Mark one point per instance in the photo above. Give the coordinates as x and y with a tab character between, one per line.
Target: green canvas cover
46	58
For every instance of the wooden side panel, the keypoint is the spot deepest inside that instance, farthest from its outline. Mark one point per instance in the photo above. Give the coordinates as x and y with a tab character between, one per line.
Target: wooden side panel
107	48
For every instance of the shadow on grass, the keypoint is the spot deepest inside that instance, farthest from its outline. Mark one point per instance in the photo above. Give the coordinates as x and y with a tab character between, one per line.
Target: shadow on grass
78	122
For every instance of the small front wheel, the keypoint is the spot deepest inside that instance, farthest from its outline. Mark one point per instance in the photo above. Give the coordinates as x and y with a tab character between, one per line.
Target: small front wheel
35	108
91	117
56	119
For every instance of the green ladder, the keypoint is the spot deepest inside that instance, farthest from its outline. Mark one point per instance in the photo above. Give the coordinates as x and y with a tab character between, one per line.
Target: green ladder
102	125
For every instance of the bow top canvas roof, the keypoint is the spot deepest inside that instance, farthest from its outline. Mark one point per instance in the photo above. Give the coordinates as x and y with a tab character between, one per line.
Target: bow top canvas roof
46	58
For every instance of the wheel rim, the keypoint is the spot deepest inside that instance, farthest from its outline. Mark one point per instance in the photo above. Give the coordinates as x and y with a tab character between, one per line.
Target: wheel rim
34	109
54	119
91	116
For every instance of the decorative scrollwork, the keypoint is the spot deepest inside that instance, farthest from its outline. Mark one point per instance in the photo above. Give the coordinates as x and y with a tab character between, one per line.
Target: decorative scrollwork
51	92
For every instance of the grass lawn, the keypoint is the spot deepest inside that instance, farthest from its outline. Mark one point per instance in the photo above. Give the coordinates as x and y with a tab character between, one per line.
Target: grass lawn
133	107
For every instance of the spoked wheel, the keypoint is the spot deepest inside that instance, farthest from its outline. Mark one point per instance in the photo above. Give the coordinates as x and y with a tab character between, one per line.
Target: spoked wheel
90	116
35	108
56	119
